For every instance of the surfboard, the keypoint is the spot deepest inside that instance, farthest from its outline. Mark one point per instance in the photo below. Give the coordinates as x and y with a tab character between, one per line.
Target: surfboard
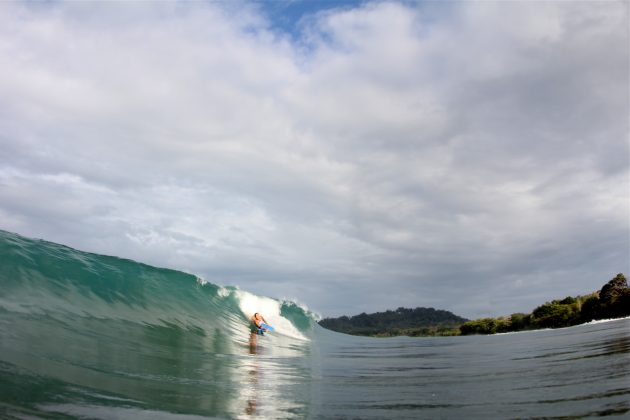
266	327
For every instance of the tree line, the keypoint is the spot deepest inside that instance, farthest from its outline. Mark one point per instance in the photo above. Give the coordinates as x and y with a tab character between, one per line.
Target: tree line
612	301
402	321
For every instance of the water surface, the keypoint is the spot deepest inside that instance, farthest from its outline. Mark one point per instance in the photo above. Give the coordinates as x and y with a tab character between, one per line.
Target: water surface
90	336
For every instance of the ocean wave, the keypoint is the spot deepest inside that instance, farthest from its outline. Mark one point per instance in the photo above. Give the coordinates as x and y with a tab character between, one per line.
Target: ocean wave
45	279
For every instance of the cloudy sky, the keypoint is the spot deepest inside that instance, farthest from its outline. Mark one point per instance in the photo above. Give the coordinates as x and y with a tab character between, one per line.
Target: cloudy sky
354	156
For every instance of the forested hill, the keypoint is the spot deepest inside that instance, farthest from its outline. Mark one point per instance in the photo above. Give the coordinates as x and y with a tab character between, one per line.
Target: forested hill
612	301
402	321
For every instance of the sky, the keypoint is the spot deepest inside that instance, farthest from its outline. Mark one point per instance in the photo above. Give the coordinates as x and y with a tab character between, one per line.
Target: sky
353	156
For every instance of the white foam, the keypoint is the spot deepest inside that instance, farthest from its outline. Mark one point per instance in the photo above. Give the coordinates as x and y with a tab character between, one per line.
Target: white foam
602	321
270	309
223	292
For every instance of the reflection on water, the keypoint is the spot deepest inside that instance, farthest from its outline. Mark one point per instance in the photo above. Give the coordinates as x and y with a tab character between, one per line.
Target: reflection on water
253	379
115	369
275	378
153	368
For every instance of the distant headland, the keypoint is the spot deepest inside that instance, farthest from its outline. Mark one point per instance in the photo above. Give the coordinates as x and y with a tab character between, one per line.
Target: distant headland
612	301
402	321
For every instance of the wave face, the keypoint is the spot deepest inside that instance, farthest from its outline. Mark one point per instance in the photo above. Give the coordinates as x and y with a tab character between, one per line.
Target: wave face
101	330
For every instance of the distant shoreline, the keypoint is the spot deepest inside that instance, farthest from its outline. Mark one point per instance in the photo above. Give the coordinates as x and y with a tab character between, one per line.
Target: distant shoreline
418	322
594	322
610	303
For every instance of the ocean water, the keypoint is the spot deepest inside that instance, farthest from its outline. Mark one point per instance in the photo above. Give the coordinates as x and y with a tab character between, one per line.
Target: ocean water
90	336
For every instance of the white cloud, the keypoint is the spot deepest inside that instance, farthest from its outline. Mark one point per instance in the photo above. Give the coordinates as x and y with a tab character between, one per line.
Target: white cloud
444	154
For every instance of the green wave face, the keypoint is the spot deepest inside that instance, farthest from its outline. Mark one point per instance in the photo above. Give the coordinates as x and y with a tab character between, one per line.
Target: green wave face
80	326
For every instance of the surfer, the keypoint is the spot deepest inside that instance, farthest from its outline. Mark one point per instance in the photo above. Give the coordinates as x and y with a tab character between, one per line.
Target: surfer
257	321
257	328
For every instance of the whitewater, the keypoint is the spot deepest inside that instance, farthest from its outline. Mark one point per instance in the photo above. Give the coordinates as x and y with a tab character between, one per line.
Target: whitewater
92	336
